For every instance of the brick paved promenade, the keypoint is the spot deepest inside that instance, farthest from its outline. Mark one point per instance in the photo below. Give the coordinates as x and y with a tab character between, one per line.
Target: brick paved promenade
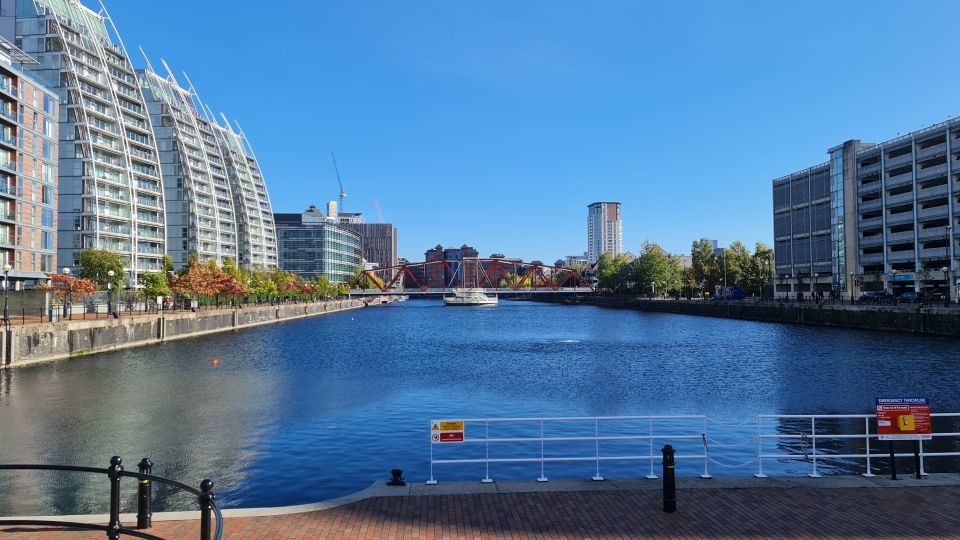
751	512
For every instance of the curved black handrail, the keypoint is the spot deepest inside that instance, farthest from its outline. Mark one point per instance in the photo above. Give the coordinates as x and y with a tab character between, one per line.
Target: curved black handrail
204	497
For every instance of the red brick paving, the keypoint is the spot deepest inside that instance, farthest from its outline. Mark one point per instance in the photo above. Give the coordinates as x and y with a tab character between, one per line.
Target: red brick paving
925	512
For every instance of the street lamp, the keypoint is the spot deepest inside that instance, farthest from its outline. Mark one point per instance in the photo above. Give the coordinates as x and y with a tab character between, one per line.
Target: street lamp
6	287
946	276
852	288
110	275
66	311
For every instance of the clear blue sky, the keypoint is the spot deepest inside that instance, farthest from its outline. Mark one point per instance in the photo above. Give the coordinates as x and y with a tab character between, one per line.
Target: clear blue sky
495	123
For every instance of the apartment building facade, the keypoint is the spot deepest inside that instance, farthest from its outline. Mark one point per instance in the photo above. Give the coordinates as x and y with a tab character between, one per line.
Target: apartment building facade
604	230
874	217
28	172
201	218
110	190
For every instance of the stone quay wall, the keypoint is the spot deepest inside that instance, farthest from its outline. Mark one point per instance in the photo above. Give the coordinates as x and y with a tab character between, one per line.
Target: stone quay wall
45	342
903	318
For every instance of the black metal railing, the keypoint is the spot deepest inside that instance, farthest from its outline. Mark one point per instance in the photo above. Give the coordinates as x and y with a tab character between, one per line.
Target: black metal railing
115	472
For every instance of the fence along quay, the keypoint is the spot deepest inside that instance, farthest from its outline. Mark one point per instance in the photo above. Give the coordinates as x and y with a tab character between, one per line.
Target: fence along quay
817	439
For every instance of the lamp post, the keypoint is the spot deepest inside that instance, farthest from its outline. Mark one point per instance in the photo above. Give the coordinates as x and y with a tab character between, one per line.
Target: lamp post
6	287
852	288
67	312
110	275
946	296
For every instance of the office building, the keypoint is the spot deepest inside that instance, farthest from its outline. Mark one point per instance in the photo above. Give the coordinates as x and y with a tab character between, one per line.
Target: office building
199	201
28	172
874	217
604	230
311	245
110	194
379	239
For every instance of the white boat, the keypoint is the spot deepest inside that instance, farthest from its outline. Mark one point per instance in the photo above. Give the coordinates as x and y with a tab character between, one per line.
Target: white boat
470	297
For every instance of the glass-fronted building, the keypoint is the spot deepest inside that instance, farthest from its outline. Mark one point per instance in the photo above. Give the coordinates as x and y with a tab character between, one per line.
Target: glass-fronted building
311	245
875	217
110	190
28	175
201	218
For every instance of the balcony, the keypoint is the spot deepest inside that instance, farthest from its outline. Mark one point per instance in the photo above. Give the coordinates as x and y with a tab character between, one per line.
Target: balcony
8	140
8	215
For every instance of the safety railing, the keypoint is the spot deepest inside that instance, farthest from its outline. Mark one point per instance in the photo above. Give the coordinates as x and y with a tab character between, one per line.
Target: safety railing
804	432
493	435
114	529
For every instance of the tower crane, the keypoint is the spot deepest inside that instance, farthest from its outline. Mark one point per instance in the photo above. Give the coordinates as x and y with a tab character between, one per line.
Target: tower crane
343	194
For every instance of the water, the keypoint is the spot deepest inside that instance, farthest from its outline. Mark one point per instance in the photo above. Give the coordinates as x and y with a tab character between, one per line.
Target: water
316	408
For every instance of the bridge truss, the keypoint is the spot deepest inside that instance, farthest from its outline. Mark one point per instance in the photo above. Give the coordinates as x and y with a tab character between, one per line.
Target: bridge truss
507	275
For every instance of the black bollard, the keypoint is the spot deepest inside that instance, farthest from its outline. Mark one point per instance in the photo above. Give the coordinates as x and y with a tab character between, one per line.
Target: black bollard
396	478
114	472
144	494
893	463
206	508
669	480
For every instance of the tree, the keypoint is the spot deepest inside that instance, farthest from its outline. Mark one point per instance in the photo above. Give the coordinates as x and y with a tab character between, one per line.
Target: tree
96	264
737	260
611	271
154	284
63	286
761	268
650	269
260	285
704	263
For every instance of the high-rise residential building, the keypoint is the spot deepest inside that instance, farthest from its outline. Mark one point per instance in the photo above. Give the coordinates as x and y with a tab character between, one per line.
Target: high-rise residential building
28	172
199	201
874	217
604	230
257	236
312	245
110	191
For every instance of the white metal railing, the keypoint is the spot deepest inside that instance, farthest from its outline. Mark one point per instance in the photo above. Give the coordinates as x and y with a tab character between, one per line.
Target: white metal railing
808	432
813	436
685	428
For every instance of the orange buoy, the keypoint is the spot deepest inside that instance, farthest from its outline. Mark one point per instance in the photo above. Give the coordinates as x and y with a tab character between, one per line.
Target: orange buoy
215	362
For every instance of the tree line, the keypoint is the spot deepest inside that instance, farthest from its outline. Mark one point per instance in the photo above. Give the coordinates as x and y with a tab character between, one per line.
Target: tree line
655	271
193	281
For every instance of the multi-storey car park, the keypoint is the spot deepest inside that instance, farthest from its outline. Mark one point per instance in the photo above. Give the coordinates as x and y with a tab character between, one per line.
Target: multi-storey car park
110	190
200	202
875	217
28	172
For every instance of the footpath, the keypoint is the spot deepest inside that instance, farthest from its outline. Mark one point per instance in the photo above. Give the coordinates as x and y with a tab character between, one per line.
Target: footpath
832	507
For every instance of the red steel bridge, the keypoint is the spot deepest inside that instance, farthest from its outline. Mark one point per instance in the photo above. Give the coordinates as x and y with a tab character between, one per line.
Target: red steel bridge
501	276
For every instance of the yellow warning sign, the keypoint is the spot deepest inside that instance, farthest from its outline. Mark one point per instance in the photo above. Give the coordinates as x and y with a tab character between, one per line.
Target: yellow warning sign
453	425
435	427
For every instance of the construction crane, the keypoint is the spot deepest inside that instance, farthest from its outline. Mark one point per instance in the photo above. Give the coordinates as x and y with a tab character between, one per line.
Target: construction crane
343	194
376	203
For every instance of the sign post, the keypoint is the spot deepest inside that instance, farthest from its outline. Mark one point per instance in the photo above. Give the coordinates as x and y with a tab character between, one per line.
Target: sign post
904	419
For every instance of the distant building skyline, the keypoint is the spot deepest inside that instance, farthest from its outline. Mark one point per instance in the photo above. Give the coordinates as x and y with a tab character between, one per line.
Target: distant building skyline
604	230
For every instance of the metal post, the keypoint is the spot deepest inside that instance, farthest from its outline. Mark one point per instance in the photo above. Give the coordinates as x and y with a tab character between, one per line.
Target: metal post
596	439
923	472
543	476
432	481
206	507
669	480
651	476
487	479
706	451
893	463
144	495
866	425
760	449
114	472
916	460
813	444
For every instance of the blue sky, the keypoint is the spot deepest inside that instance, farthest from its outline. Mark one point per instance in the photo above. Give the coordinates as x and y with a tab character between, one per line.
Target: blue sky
496	123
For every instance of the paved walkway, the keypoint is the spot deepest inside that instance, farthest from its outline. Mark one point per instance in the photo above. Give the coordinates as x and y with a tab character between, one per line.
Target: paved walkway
785	511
